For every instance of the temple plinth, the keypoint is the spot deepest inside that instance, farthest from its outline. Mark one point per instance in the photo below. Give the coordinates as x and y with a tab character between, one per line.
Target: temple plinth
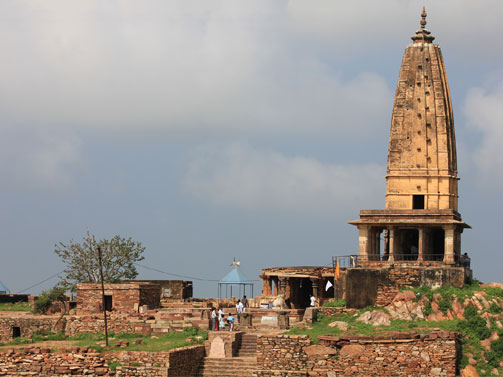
421	222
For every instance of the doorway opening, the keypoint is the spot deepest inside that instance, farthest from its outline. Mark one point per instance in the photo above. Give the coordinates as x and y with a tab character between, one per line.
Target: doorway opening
108	303
409	244
16	332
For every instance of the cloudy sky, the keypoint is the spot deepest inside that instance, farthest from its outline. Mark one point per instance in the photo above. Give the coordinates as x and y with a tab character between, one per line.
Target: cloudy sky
209	130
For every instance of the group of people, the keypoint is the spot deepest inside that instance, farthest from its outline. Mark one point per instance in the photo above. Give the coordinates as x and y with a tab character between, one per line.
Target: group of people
218	319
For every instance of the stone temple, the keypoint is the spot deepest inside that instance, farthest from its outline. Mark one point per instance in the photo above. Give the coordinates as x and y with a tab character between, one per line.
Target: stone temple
421	221
416	239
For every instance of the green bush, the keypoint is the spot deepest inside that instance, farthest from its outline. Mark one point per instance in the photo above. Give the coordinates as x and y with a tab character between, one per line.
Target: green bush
495	308
46	299
494	356
427	309
474	327
470	312
494	291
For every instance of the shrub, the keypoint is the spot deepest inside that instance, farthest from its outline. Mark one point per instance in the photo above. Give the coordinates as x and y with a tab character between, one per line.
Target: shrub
444	305
45	300
495	308
471	312
427	309
494	356
474	326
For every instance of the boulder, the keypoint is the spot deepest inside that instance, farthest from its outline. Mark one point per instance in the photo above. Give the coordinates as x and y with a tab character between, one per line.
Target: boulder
341	325
492	285
319	350
405	296
469	371
375	318
405	309
352	350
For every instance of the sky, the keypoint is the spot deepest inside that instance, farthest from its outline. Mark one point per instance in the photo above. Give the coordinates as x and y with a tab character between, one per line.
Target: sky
209	130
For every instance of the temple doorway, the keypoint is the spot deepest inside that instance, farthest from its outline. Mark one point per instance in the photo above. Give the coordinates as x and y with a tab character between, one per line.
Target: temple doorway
409	244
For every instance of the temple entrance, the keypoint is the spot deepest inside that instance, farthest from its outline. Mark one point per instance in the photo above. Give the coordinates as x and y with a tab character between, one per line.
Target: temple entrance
304	291
409	245
436	245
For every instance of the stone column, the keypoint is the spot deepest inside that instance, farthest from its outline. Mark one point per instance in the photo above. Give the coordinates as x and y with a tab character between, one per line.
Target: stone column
378	244
449	244
422	244
392	244
282	286
363	242
314	282
276	286
266	288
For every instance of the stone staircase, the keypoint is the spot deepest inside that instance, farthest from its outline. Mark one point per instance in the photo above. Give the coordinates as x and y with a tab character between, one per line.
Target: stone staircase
248	346
228	367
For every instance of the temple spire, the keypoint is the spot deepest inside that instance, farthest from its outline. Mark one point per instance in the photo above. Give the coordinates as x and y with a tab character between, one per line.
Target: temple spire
423	19
423	35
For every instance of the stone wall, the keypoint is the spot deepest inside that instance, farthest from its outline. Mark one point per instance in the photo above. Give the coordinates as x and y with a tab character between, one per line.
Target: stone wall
395	354
404	354
330	311
41	362
282	353
27	325
126	297
184	361
378	286
117	322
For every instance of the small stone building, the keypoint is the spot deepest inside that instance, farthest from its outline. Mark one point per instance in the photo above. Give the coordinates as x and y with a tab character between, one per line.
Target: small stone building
297	284
171	289
121	297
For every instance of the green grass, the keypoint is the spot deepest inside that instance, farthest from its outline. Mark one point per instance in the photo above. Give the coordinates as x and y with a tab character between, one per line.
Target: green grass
162	342
15	307
357	328
335	304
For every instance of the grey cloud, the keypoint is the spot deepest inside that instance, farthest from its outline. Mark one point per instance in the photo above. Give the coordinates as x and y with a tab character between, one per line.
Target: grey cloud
238	175
484	111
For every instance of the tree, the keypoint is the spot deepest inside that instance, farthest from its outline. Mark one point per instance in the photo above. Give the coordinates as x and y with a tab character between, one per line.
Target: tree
82	266
47	298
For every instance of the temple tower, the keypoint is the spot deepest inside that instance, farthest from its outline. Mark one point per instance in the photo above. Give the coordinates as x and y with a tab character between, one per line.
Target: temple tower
422	169
421	223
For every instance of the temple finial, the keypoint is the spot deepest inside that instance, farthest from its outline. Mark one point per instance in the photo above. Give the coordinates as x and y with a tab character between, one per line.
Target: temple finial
423	35
423	18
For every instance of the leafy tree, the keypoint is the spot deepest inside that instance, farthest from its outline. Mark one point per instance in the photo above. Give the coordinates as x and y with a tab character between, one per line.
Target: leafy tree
82	264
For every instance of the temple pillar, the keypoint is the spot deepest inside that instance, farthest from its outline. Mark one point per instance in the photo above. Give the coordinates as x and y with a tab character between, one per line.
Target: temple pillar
314	282
392	235
266	286
449	244
282	286
363	242
276	286
377	239
422	244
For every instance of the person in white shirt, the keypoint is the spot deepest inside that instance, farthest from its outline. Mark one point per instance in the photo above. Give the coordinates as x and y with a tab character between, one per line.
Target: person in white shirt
239	309
313	300
213	319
